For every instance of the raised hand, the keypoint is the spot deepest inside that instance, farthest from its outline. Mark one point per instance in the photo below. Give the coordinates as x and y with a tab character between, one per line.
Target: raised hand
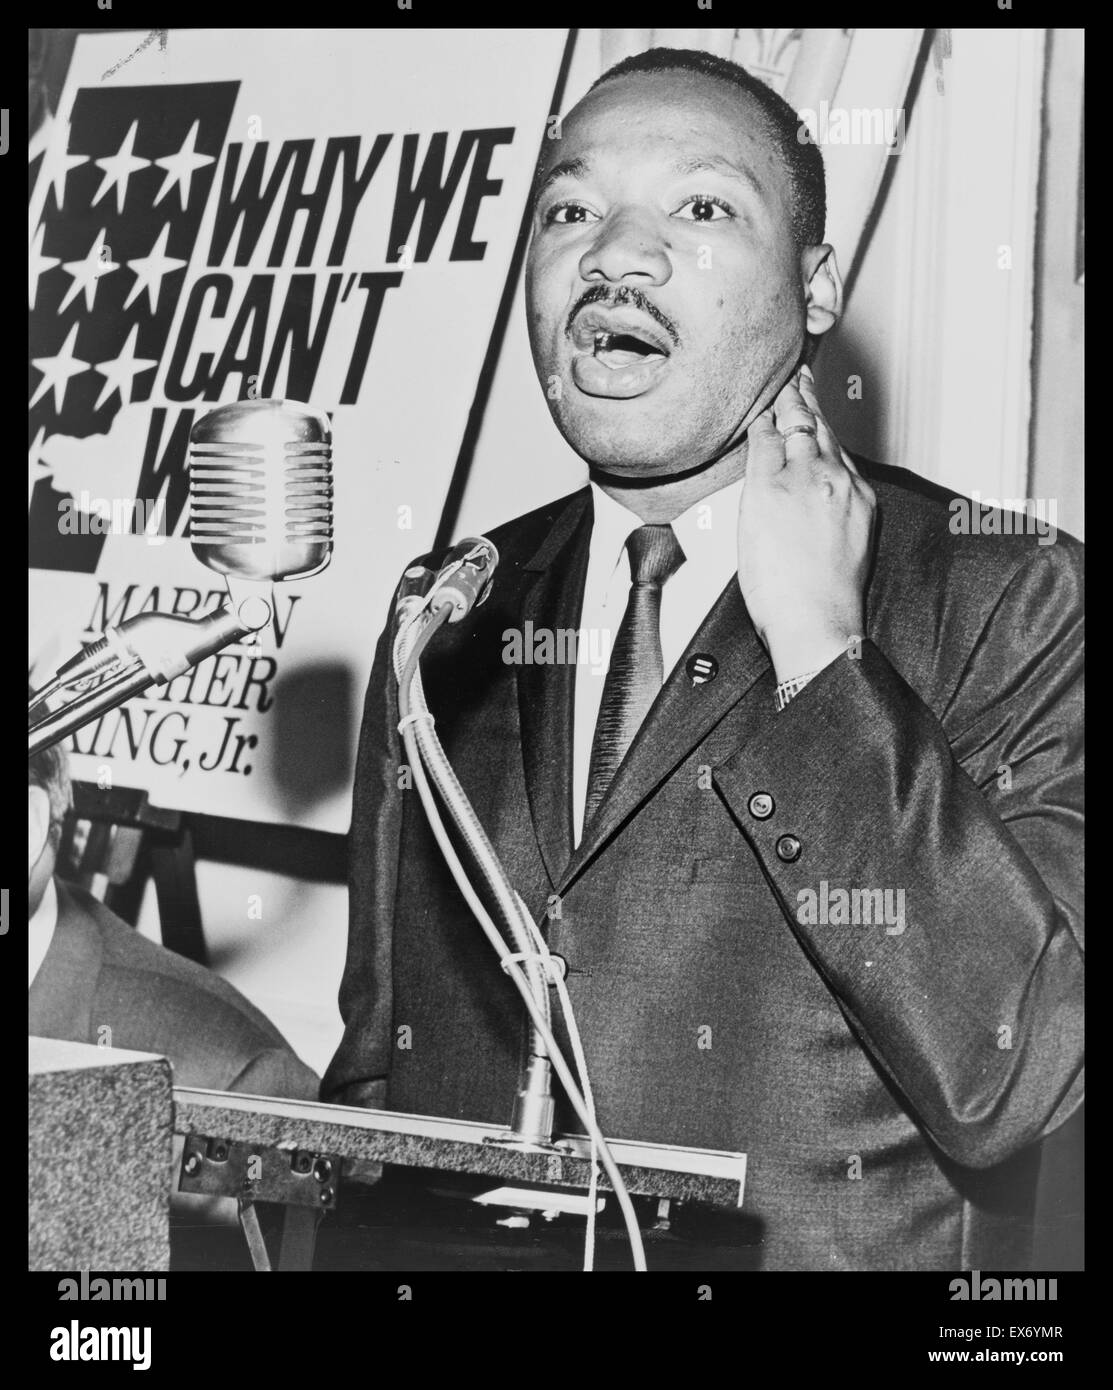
805	526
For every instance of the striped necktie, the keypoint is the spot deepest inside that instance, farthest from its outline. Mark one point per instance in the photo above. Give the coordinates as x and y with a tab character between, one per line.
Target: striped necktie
636	671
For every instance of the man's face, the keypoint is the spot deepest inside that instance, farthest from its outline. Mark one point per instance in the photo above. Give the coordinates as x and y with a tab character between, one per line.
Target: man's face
665	292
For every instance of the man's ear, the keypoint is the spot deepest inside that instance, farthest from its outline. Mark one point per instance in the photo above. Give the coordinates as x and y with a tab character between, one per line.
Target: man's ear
822	288
38	824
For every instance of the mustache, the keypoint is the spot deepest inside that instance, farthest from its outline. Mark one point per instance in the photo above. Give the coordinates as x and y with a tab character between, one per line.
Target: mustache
619	297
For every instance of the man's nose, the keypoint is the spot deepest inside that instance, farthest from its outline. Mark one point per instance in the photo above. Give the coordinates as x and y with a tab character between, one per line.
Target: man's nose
627	247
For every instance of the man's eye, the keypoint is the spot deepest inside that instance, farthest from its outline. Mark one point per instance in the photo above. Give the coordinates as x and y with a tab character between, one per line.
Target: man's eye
704	209
564	213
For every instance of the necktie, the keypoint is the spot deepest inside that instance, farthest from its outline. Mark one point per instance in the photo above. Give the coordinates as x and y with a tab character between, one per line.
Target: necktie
636	673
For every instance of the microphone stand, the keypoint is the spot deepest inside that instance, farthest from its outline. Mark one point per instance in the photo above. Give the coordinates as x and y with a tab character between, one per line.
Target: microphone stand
456	589
149	649
425	602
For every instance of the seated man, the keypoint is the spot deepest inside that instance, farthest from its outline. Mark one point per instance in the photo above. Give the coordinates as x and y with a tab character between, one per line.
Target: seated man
94	979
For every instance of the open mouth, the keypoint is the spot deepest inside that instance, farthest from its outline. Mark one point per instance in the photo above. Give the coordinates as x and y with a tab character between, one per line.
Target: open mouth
620	355
616	350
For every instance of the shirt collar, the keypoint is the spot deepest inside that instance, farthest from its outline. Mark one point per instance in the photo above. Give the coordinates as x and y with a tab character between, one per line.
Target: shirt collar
612	525
707	531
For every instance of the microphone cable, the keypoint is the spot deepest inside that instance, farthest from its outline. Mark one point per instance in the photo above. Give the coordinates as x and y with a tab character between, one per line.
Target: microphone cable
423	746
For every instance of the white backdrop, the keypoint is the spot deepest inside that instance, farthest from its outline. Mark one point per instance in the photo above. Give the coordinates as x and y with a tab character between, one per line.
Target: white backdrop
161	284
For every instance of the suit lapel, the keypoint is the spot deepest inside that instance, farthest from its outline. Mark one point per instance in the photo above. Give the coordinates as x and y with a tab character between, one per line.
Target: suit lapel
60	1001
680	717
552	598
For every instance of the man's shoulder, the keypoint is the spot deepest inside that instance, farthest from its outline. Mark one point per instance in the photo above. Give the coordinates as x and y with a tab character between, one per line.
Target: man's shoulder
925	527
126	949
156	1000
519	539
521	530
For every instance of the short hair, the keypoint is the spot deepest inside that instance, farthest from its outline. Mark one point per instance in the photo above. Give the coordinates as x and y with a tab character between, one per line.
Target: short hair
50	770
802	159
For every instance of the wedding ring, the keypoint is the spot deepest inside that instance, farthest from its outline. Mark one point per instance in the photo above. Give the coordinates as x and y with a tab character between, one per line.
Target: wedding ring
799	429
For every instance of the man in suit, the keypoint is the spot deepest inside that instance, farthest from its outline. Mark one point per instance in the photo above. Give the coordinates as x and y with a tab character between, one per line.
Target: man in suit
808	842
94	979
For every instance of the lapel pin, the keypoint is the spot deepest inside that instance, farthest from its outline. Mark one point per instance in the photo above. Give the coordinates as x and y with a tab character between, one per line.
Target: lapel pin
701	668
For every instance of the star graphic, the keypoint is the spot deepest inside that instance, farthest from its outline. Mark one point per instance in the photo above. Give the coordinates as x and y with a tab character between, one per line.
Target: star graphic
39	465
38	264
57	372
181	167
149	271
55	140
118	168
86	273
120	373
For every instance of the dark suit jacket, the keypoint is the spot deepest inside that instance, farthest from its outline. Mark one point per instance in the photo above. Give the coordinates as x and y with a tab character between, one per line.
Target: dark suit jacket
100	972
887	1088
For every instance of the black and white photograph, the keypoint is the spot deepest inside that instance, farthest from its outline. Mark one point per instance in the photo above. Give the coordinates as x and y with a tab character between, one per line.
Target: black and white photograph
555	566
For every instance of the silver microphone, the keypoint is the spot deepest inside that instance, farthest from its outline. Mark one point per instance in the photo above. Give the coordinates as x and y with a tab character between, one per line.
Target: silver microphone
260	511
460	583
464	579
260	490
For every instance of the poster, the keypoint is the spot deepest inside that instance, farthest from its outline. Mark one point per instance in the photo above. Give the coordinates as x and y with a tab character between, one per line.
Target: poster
326	216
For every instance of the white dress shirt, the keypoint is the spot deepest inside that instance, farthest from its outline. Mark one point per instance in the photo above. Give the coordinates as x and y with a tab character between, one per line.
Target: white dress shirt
708	535
40	931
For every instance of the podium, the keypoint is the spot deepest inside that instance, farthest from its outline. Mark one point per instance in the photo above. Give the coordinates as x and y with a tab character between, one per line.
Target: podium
101	1122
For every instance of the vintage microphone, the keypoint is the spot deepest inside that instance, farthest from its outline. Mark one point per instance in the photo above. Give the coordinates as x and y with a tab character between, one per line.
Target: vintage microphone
260	499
